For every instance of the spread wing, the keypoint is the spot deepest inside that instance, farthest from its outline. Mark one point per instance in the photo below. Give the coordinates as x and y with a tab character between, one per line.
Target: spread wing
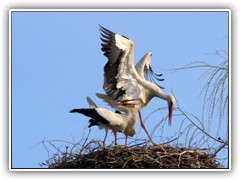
145	70
119	72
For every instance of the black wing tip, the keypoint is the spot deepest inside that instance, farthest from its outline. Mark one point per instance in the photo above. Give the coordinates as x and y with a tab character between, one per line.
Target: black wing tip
74	110
100	26
105	30
82	110
125	37
153	77
160	87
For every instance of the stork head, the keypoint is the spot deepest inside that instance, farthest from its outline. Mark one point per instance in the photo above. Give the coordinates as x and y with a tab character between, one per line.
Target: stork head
171	102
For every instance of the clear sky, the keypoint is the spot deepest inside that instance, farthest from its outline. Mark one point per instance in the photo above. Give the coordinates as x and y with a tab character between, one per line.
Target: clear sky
57	62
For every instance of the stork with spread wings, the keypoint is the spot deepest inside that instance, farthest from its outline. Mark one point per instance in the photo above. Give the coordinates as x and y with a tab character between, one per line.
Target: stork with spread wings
126	86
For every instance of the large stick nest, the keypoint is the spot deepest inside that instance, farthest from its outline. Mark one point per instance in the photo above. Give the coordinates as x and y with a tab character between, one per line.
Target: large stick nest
162	156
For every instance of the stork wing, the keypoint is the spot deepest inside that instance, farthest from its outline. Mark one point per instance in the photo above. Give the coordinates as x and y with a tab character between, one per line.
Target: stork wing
142	67
145	70
91	103
107	99
119	71
114	119
111	102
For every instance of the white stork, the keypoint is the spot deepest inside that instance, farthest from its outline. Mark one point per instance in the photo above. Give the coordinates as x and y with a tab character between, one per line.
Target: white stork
123	84
107	119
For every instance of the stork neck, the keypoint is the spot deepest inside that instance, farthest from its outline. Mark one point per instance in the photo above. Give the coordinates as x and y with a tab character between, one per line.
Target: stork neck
163	95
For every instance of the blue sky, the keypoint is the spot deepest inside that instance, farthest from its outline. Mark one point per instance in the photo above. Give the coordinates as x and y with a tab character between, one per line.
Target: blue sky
57	62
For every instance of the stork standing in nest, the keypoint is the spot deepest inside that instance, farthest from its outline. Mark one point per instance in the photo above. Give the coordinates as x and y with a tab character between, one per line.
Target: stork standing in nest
126	87
107	119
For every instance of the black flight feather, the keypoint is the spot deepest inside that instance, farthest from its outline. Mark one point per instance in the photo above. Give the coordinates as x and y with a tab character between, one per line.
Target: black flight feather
92	113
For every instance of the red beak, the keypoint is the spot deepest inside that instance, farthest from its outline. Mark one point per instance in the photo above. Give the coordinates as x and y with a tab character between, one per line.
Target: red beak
170	109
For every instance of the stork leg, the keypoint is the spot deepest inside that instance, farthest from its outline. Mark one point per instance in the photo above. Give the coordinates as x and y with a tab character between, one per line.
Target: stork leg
104	141
126	140
127	102
143	126
115	135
